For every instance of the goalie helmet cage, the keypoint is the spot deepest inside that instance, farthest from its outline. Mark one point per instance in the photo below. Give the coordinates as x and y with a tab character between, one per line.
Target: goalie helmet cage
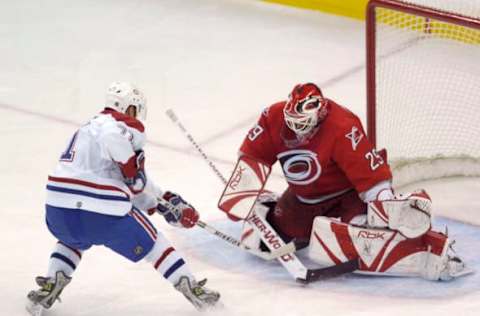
423	86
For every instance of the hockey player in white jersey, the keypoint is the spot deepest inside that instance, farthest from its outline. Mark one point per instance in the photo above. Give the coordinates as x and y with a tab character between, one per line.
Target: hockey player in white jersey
97	195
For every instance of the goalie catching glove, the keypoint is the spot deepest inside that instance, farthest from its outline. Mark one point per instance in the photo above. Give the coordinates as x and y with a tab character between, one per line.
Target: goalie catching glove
408	214
180	214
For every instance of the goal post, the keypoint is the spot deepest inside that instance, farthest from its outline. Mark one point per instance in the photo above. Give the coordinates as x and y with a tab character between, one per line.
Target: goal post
423	86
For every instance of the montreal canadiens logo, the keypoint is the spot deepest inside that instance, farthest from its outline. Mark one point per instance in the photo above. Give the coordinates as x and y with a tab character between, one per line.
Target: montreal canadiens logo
300	167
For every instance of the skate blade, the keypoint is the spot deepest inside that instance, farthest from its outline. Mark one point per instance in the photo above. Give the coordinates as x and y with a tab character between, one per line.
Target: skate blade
218	306
34	309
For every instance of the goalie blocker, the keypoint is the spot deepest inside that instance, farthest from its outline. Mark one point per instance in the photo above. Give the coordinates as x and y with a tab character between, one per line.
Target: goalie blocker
239	201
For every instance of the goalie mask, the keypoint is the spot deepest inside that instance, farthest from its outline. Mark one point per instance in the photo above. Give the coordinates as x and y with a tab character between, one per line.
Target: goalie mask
121	95
304	109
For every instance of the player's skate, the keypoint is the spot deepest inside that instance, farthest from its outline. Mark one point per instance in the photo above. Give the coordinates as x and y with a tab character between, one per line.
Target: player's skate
49	292
196	292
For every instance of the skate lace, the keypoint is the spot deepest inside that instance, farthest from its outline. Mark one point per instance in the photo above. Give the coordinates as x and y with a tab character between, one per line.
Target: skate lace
198	289
45	292
48	292
196	293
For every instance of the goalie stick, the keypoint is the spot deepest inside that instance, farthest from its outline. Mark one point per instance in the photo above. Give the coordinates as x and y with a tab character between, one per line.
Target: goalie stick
293	265
288	248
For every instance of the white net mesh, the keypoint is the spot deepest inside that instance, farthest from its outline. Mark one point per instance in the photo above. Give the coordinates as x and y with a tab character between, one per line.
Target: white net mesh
464	7
428	91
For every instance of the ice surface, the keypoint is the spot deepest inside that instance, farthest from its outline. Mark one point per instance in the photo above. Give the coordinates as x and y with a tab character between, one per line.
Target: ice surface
217	64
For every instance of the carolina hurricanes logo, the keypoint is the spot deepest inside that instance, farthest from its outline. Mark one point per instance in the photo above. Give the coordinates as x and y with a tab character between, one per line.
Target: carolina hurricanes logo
300	167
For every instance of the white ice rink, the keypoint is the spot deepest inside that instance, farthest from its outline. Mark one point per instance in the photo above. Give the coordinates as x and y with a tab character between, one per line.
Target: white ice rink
217	63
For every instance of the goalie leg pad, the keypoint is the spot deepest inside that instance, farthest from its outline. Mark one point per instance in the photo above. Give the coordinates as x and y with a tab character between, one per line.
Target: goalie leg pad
410	214
383	251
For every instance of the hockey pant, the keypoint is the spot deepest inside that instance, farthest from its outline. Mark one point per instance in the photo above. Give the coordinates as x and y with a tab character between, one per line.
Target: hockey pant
133	236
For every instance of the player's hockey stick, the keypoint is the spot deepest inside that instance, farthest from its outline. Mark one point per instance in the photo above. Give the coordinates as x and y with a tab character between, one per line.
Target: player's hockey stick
231	240
175	120
262	254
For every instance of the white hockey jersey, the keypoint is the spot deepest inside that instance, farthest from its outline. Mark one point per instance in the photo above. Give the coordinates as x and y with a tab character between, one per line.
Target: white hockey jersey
91	171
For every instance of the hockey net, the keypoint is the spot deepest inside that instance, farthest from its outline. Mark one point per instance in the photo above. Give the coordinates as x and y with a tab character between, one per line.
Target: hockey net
423	86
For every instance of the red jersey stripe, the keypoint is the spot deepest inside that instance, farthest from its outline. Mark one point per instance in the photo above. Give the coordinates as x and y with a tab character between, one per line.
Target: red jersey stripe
163	256
87	184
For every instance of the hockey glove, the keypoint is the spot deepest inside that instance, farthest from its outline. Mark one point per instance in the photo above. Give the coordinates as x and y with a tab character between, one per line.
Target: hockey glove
182	214
137	183
410	214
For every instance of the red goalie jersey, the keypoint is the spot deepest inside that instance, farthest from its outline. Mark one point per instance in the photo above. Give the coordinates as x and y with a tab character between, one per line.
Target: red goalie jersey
337	157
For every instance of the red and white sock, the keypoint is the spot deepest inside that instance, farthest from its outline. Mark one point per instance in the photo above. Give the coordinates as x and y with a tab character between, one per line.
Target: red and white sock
167	261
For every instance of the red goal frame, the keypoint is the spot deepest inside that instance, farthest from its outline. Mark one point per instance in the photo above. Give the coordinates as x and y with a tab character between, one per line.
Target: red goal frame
409	8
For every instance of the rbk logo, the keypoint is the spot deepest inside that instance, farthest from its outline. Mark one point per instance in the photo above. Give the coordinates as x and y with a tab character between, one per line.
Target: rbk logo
237	177
371	235
355	136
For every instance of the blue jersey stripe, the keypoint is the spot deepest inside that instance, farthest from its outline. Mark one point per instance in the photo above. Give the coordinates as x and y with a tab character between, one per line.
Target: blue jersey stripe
89	194
174	268
64	259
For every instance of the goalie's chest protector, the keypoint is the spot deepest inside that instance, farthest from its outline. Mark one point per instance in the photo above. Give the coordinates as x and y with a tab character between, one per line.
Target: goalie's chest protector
338	157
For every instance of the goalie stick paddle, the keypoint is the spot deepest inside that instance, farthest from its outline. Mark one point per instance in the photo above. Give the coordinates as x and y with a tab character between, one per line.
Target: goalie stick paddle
279	252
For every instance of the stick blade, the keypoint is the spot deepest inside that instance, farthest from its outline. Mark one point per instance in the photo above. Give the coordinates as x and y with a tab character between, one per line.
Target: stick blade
330	272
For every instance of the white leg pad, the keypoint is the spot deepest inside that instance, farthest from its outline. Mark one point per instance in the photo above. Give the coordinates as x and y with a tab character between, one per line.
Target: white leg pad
381	251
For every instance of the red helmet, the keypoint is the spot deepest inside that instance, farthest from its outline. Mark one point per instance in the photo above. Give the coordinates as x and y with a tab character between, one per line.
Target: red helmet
305	108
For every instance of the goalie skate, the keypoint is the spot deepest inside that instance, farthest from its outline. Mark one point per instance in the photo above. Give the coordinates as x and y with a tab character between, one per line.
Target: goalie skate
49	292
196	292
452	266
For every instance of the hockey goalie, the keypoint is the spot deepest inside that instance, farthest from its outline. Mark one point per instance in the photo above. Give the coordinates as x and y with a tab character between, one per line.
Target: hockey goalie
339	201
